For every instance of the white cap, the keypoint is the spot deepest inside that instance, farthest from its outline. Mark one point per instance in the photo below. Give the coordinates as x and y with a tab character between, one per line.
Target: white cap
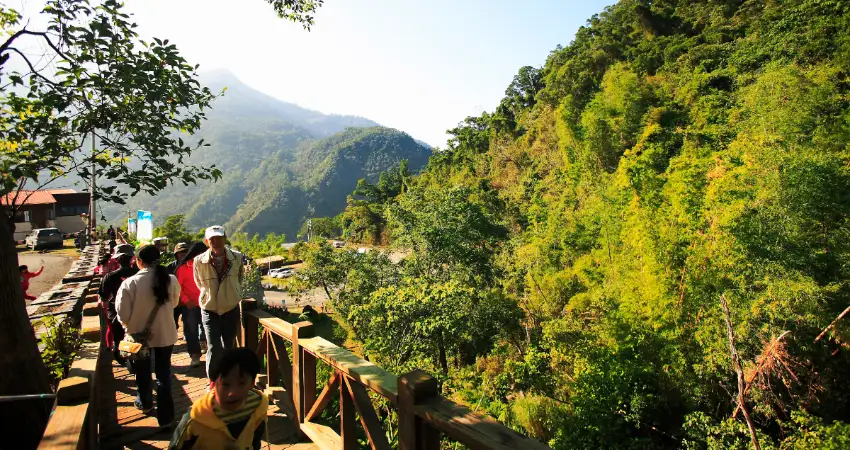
216	230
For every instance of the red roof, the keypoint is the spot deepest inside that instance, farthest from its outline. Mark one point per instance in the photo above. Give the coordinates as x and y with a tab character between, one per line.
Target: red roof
61	191
29	198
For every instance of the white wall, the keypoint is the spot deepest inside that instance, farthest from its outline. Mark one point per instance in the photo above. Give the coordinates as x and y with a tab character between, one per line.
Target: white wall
22	229
66	225
69	224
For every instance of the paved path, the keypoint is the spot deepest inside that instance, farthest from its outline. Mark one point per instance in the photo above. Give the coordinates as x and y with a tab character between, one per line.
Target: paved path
55	267
313	297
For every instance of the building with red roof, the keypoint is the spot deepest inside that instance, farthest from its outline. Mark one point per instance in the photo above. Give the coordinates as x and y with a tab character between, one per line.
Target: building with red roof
48	208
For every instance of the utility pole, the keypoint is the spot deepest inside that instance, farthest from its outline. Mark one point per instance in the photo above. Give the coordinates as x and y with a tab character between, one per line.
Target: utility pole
92	205
309	229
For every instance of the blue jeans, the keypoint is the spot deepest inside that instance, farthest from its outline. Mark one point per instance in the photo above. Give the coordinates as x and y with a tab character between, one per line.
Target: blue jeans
162	365
192	330
221	332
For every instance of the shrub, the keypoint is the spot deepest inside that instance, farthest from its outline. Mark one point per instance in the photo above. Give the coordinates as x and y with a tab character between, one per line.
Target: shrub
62	343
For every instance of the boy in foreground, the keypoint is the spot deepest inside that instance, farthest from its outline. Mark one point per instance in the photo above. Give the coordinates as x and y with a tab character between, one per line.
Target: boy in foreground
233	415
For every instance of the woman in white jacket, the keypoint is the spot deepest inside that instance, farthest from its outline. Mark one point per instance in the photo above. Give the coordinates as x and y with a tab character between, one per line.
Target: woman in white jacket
137	298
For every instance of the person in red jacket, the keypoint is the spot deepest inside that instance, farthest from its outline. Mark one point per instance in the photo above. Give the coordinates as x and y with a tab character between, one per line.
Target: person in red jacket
25	280
193	330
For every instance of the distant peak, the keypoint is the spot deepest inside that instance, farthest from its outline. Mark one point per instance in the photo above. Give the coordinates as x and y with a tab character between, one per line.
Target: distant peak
219	77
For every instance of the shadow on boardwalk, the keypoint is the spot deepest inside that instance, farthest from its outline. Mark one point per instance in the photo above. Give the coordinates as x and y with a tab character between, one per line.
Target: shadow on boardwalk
122	426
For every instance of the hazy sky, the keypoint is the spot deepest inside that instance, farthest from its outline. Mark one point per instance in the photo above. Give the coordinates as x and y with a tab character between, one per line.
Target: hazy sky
419	66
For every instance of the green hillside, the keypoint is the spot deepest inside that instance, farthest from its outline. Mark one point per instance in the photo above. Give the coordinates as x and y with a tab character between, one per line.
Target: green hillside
571	249
284	192
279	162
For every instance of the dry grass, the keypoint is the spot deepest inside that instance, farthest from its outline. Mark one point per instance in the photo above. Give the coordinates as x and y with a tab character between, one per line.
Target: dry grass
67	249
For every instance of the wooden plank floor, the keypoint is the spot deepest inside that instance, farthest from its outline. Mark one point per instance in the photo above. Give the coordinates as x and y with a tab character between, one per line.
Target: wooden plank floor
122	426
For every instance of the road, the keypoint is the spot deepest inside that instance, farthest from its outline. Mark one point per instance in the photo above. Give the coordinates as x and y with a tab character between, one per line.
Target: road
55	268
313	297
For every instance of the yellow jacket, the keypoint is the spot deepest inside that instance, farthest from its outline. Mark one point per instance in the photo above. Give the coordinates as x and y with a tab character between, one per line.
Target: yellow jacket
202	429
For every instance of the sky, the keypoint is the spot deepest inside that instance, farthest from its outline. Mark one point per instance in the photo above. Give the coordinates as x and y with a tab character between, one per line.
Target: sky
415	65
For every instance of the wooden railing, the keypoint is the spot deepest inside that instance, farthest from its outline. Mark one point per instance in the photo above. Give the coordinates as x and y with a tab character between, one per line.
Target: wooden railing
423	414
73	424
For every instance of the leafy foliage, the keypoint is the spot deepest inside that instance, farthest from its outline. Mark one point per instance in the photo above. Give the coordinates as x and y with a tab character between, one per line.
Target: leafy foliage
255	247
674	152
101	69
62	343
174	228
299	11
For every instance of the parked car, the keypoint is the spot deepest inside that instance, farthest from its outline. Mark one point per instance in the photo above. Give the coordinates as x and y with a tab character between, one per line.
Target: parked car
44	238
339	244
280	273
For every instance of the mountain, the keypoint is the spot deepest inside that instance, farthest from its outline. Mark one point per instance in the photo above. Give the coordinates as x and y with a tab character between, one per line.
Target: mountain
316	183
281	163
243	102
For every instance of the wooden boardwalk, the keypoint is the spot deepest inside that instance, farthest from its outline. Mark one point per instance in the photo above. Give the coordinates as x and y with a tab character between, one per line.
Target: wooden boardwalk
122	426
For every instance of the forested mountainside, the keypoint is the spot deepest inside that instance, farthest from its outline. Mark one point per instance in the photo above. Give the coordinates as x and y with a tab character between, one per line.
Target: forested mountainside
279	162
283	193
573	250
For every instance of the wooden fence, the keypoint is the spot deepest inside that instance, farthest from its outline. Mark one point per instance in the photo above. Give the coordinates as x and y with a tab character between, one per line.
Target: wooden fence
73	423
292	352
424	415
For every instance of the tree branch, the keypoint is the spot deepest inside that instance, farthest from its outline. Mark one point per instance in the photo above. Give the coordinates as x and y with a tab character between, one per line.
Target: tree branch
32	68
832	325
736	362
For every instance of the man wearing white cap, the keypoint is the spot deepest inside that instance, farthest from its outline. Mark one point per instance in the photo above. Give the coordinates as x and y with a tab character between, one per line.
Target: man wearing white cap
218	274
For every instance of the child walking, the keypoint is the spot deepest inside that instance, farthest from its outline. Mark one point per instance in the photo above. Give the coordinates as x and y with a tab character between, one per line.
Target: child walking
233	415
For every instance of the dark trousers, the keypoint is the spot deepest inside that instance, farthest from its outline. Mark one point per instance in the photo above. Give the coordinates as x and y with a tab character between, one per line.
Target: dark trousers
221	334
160	359
117	336
193	329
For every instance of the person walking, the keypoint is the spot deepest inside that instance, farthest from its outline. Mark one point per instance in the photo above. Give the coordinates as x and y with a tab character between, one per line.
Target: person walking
179	253
120	249
189	295
145	304
107	292
111	233
218	273
26	276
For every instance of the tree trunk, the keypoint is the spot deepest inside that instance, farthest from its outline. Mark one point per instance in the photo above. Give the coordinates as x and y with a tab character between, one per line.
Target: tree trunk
444	363
21	369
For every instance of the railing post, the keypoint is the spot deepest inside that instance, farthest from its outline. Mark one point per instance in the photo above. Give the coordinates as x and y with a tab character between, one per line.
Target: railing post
250	325
272	368
303	371
346	417
413	432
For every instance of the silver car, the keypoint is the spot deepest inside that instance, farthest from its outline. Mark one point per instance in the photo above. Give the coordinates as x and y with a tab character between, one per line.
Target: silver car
44	238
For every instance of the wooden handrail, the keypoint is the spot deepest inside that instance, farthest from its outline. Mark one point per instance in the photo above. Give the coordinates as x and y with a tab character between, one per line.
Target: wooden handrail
73	425
364	372
423	414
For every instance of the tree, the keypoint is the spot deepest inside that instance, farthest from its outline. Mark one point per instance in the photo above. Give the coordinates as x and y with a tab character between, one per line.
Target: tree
270	245
326	268
322	227
450	232
299	11
137	99
174	229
